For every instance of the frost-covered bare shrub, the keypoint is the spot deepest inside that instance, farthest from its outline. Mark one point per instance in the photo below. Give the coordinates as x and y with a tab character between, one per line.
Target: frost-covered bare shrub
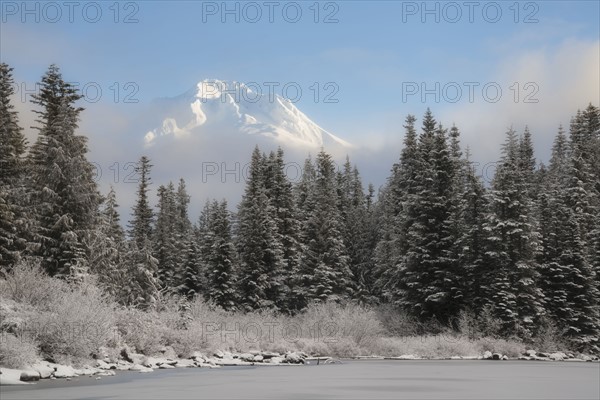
510	348
17	352
75	324
14	316
343	347
309	346
27	283
203	311
143	331
477	326
332	321
550	338
397	322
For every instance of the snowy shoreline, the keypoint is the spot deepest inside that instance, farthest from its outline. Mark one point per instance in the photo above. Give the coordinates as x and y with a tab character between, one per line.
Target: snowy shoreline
140	363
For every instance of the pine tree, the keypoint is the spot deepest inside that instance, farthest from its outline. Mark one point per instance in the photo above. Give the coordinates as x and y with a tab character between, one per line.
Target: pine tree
579	313
183	237
302	275
164	242
472	209
429	281
567	264
511	246
140	227
192	279
585	141
142	288
527	162
259	243
365	271
12	149
140	264
204	245
65	196
106	246
359	230
325	258
221	259
393	216
12	140
280	193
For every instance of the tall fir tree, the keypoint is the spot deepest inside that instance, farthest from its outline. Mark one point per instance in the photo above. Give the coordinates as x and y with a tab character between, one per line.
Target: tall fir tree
393	216
140	226
259	243
221	263
64	192
358	230
472	209
281	197
164	242
106	246
142	267
302	275
325	258
184	237
512	245
429	281
12	149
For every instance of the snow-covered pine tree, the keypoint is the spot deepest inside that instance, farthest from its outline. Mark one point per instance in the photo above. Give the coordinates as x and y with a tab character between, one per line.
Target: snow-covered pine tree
280	193
511	246
164	239
527	163
325	256
204	247
12	140
65	196
430	284
221	263
259	244
142	288
551	271
141	266
472	209
393	218
302	276
359	230
192	281
365	223
183	236
12	168
578	313
140	226
106	246
585	138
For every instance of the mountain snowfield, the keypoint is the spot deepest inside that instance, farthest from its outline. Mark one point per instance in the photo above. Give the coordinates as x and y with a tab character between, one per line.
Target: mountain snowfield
233	108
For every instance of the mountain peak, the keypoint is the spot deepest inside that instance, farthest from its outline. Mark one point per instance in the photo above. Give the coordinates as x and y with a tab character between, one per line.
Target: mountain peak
217	106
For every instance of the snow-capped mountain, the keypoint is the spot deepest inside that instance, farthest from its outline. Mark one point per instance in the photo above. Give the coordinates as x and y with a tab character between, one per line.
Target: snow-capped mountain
233	108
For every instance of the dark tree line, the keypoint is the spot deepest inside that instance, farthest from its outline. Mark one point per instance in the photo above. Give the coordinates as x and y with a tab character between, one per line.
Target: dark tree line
435	242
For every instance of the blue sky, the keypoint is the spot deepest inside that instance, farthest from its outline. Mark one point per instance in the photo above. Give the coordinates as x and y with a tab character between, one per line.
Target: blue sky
373	52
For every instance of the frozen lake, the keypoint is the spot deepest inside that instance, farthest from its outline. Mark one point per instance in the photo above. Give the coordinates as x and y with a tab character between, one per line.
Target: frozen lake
352	379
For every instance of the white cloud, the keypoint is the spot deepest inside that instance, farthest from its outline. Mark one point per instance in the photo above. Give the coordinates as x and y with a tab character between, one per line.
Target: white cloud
561	79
